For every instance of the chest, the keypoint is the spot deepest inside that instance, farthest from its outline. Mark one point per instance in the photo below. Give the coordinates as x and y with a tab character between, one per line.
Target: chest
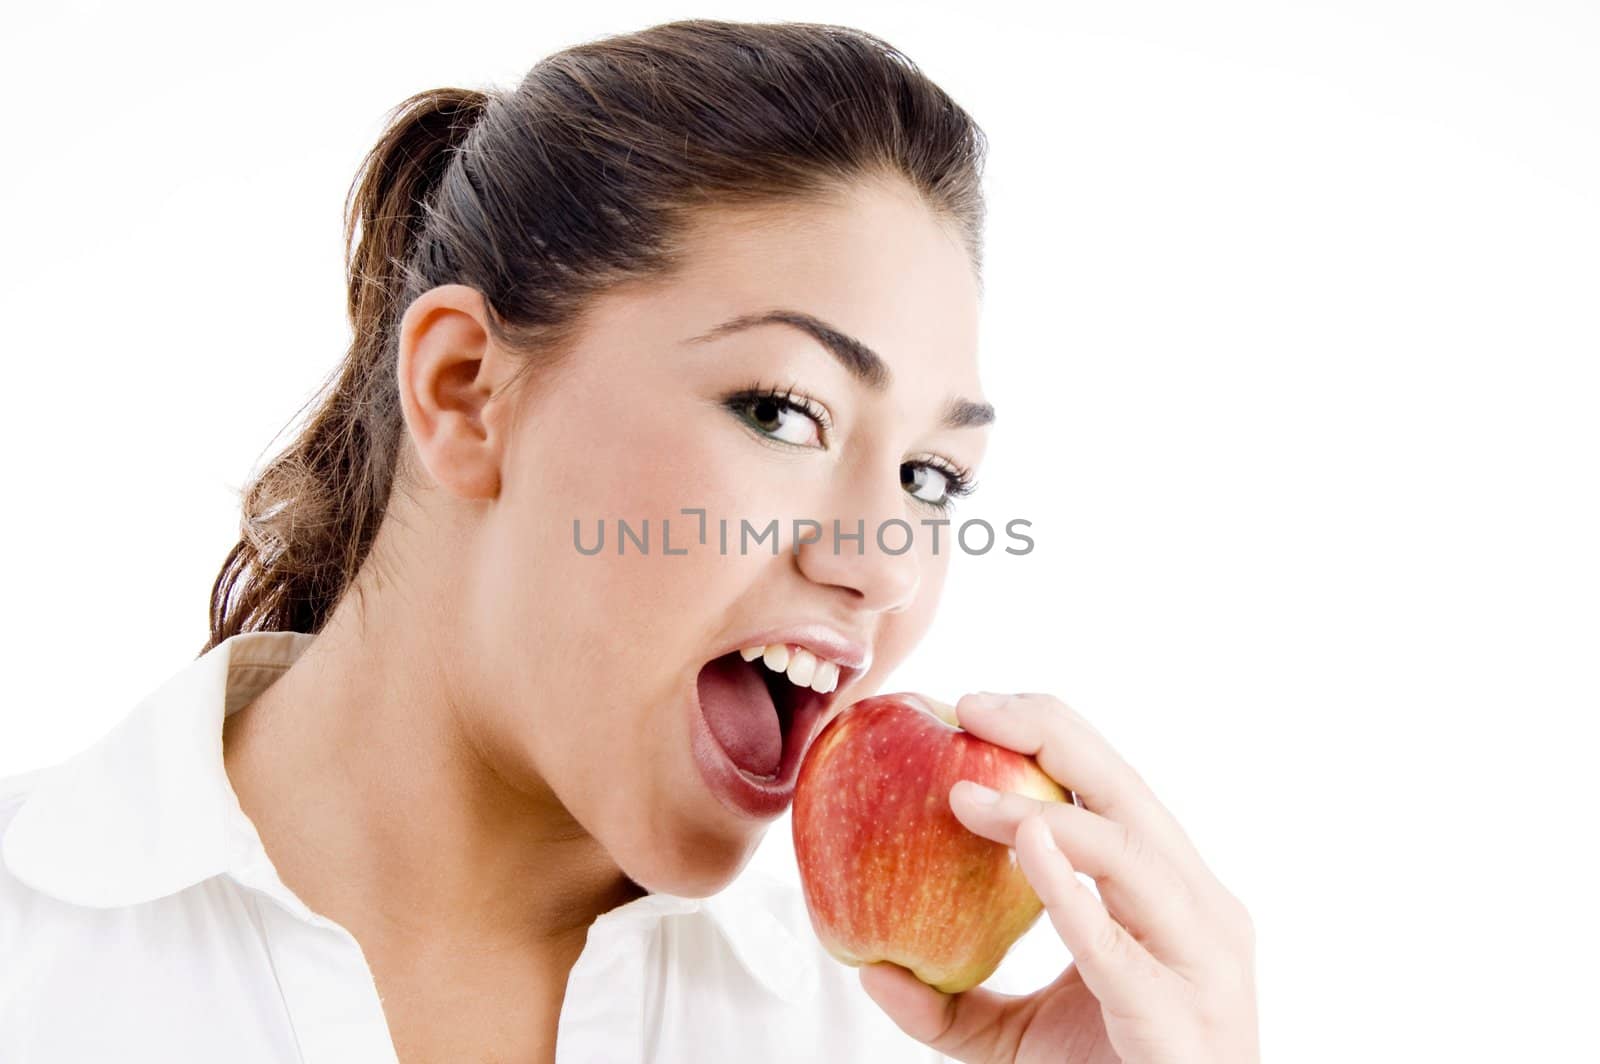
495	1014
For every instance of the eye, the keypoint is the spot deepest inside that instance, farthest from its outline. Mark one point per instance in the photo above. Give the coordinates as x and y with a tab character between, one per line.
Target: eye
936	483
784	417
781	415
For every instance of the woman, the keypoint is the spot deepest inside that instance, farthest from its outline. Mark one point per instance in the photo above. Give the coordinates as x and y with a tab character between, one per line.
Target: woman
448	782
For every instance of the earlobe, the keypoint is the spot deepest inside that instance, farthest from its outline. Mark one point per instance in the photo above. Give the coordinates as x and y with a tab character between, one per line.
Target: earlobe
445	367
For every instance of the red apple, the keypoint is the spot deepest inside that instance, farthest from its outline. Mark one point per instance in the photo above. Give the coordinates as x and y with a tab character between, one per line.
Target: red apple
888	872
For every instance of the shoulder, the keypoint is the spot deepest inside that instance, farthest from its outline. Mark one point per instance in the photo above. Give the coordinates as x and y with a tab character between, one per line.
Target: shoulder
14	790
40	931
20	904
15	896
24	911
175	977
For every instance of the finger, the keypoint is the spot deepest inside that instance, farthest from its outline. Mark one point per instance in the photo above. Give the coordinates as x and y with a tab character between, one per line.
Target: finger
1079	758
1139	887
974	1025
1121	973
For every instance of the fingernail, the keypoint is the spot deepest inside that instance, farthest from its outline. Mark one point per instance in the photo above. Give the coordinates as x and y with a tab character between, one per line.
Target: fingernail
979	794
985	699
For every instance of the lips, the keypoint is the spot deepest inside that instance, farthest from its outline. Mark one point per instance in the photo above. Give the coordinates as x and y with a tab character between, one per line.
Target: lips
743	711
749	730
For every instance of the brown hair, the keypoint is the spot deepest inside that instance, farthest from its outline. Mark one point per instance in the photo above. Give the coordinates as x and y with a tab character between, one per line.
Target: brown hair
585	175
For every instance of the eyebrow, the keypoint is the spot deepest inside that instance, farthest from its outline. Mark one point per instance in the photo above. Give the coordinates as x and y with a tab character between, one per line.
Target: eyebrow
863	363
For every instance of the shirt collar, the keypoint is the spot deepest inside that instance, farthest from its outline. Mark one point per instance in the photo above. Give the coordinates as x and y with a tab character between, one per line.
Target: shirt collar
780	953
148	810
774	950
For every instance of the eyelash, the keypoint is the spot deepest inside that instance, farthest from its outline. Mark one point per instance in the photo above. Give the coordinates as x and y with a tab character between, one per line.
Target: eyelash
959	482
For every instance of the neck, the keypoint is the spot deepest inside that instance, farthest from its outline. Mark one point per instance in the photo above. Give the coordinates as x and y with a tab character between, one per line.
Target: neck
381	813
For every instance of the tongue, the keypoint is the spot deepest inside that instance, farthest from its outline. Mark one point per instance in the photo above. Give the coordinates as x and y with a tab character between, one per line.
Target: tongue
739	710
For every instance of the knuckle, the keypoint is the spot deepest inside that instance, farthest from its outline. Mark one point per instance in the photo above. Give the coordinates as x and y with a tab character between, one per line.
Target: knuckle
1131	848
1191	997
1106	942
1218	1004
1015	807
1052	707
1243	923
1238	946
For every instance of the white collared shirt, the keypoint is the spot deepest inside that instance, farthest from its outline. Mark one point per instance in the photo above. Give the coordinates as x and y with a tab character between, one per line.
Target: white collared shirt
142	920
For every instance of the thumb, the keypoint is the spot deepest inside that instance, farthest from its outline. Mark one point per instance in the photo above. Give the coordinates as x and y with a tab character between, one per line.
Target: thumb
916	1008
966	1026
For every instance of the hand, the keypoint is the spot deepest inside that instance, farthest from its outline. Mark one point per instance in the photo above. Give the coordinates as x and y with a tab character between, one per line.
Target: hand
1163	969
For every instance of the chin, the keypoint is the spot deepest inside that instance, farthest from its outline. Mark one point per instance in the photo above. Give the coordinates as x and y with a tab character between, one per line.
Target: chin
699	866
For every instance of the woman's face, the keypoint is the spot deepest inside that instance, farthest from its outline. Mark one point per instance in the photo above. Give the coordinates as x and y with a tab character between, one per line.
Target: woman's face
584	667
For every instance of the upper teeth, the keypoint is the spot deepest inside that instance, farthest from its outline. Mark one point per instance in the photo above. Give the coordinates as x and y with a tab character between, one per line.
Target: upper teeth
803	668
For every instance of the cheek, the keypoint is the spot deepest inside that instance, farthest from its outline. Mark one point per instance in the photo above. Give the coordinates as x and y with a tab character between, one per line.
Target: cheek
648	456
596	607
912	623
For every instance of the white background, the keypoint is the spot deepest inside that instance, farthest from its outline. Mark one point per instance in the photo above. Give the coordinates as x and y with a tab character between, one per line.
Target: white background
1292	323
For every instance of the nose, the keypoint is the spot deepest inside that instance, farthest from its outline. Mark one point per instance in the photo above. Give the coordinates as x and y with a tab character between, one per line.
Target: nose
867	565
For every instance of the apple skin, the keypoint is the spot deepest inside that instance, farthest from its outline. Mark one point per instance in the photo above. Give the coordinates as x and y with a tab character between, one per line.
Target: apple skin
888	872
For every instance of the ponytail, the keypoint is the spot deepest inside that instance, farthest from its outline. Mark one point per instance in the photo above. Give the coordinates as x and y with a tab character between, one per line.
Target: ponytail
309	518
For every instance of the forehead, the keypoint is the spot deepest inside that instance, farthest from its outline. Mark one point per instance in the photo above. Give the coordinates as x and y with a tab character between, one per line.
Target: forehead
873	260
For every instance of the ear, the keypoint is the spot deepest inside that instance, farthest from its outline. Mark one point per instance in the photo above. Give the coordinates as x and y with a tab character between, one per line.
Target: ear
447	369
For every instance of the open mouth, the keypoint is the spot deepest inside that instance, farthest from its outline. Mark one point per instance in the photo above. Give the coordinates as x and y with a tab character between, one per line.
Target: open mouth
762	721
